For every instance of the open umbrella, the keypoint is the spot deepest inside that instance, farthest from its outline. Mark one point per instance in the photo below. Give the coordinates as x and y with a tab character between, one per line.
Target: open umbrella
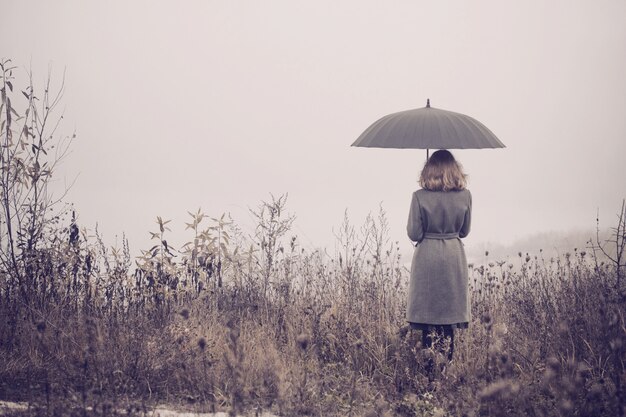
428	128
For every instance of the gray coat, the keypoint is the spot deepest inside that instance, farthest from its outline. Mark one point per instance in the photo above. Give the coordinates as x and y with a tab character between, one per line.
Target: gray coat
438	288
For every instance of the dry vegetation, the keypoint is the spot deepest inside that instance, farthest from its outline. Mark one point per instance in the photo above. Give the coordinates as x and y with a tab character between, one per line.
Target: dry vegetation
243	323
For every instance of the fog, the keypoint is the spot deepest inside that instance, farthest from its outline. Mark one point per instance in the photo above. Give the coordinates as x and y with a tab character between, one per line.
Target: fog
181	105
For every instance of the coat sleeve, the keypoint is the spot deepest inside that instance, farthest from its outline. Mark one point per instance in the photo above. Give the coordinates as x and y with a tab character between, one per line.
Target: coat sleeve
414	227
467	221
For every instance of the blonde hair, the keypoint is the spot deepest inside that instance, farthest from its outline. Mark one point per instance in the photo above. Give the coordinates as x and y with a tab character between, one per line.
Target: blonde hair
442	173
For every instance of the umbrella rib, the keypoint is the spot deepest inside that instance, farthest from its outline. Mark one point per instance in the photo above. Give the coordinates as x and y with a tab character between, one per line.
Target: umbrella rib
389	125
372	132
474	127
495	142
407	127
493	139
452	121
438	124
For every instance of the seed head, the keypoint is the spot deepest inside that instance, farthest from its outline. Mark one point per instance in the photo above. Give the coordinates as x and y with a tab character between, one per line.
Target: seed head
202	343
495	390
566	405
303	340
553	363
616	344
185	314
549	375
583	370
41	326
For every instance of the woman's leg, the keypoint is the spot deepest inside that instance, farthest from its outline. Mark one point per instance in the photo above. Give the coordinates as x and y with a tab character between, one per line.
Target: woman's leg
427	343
448	332
439	334
427	339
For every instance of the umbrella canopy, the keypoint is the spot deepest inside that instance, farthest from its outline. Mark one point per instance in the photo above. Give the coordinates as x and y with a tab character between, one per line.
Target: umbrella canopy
428	128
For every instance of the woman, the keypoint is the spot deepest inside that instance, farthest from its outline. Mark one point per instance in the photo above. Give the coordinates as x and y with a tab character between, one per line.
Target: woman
440	215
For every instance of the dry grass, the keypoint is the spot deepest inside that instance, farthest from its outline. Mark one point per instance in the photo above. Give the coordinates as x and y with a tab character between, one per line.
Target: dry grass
303	333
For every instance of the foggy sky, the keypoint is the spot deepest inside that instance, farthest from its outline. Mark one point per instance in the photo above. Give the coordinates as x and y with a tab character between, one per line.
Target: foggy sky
217	104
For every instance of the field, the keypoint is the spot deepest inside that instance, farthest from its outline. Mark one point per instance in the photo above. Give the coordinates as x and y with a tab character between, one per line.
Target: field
247	324
274	327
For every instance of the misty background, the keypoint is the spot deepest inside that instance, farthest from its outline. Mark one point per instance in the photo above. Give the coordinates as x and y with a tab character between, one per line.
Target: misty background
217	104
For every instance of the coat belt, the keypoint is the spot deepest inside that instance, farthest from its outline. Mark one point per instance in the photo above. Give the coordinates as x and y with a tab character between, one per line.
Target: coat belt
441	236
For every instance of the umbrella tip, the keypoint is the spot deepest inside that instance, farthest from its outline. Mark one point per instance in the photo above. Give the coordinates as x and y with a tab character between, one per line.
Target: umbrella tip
427	102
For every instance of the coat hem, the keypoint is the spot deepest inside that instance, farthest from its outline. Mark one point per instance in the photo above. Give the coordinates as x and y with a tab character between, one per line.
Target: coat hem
440	321
429	326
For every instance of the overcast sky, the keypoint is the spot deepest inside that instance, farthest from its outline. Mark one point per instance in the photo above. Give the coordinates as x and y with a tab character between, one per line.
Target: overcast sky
216	104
